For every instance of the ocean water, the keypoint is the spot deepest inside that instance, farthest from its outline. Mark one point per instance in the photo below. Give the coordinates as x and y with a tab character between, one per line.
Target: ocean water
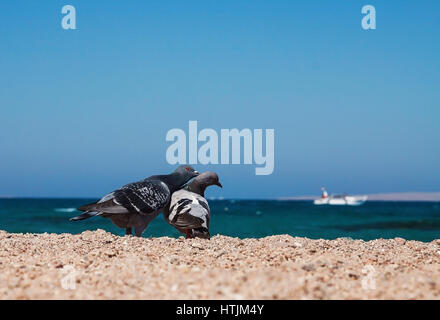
245	219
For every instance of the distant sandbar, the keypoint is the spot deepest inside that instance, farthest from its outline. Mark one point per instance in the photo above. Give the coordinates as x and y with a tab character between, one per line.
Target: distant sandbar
397	196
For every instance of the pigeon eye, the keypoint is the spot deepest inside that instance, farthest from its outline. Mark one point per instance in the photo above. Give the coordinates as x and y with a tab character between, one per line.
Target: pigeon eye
187	168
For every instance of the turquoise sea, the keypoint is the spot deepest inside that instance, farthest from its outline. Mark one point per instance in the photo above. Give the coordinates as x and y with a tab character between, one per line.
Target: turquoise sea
246	218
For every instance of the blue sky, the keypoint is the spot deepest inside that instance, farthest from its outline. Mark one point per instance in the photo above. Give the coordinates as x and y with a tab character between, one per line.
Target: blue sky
85	111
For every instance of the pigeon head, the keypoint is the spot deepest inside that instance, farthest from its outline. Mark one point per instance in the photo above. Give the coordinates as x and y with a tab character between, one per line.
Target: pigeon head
186	172
204	180
208	179
180	176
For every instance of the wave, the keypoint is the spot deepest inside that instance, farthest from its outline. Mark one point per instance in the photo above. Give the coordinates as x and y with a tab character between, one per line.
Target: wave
65	209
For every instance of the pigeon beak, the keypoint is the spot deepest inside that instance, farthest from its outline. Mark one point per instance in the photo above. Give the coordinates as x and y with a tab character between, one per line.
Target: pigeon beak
196	173
219	184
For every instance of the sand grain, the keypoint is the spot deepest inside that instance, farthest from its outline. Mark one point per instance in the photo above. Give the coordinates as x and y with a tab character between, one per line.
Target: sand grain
106	266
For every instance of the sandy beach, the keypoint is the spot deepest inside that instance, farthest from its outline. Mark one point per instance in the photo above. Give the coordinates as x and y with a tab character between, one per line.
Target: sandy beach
101	265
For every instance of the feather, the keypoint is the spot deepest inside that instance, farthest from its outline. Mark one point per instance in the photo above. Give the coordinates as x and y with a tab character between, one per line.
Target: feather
137	203
188	210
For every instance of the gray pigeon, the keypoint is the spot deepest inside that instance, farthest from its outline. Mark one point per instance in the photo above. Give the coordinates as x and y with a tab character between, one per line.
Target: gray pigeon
188	210
137	203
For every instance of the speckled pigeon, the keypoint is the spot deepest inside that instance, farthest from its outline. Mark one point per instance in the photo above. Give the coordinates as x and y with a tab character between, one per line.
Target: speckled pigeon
188	210
137	203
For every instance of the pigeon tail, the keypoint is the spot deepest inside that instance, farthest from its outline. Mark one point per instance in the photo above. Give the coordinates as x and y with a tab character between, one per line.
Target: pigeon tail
87	207
84	216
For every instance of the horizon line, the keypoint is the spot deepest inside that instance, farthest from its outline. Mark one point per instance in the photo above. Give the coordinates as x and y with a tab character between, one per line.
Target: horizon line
409	196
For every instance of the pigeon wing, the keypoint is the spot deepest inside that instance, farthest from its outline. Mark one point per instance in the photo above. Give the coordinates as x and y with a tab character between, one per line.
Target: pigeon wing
189	210
188	221
141	197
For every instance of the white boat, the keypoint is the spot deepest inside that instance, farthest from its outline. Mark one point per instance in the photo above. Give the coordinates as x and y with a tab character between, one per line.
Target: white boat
339	200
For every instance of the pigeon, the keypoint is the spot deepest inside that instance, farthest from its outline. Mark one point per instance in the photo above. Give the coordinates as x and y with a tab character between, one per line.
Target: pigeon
188	210
137	203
